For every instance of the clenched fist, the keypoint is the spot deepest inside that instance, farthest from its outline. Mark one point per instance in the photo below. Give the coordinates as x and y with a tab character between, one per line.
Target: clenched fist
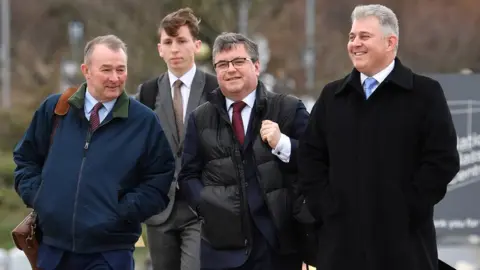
270	133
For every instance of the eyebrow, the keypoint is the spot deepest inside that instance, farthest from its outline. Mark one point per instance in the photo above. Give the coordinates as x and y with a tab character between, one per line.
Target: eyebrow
110	66
360	33
235	58
170	38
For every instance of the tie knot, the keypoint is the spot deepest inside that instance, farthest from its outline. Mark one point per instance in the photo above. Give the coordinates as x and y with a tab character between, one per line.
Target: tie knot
177	84
97	107
370	82
238	106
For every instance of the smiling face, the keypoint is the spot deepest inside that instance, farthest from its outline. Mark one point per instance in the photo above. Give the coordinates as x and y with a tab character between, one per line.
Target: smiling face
370	48
237	75
105	73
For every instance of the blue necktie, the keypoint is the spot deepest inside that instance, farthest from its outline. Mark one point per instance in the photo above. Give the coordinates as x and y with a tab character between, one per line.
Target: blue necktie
368	86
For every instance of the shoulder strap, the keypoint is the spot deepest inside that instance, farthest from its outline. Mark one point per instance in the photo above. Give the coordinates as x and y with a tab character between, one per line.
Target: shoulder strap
61	109
148	93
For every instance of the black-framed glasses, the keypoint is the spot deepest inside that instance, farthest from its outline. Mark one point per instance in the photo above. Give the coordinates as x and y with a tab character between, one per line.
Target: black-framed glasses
236	62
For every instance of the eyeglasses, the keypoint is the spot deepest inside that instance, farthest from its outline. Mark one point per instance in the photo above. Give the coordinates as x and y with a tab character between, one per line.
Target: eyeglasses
236	62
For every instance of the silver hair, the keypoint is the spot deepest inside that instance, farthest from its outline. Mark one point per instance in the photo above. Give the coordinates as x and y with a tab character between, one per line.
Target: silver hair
111	41
387	18
227	41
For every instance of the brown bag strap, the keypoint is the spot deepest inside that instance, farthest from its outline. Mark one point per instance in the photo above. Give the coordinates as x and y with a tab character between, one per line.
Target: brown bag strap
61	109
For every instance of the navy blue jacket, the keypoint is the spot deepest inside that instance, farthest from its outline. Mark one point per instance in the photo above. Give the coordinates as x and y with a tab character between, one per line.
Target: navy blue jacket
94	189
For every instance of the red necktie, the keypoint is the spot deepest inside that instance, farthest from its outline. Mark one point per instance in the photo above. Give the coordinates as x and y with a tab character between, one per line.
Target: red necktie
94	118
237	121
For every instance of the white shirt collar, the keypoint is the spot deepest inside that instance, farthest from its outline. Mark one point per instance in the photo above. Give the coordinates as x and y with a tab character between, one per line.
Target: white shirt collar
249	100
186	78
90	102
380	76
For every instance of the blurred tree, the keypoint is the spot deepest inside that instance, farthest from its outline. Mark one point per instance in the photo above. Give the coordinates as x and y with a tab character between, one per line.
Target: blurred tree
435	36
41	39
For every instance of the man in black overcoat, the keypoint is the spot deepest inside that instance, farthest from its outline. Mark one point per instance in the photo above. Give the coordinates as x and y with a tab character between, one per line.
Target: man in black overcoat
377	155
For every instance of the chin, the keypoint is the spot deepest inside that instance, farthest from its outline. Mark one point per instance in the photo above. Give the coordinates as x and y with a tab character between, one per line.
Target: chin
114	94
360	66
234	90
177	65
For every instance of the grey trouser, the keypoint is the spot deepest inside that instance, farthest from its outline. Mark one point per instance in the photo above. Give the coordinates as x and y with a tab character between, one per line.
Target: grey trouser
175	244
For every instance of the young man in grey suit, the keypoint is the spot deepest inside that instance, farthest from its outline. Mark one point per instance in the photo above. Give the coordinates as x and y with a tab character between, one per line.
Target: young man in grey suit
174	234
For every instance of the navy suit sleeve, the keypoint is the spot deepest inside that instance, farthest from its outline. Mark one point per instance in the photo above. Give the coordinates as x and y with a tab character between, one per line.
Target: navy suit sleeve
31	151
157	167
192	164
298	128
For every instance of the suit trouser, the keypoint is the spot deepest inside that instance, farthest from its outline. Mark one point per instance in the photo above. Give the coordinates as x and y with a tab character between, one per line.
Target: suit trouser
175	244
263	257
112	260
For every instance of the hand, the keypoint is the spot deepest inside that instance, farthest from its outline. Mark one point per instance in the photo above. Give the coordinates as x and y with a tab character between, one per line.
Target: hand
270	133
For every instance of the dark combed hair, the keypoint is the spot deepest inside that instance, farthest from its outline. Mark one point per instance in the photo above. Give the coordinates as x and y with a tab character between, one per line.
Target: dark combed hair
173	21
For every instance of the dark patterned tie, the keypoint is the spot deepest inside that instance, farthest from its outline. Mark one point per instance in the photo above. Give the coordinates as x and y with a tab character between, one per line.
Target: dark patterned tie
178	106
237	121
94	117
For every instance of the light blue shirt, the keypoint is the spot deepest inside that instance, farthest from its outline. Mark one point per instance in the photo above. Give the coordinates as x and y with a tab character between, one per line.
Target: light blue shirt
380	76
90	102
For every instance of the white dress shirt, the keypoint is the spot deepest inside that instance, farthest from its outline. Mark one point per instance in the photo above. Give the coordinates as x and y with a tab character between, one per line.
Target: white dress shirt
90	102
284	146
380	76
187	80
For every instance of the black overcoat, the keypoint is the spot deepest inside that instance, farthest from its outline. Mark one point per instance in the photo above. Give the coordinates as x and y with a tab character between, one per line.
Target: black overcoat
373	169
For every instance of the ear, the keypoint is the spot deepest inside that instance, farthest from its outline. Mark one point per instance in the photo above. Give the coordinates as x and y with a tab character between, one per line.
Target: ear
198	45
85	70
392	42
256	65
159	48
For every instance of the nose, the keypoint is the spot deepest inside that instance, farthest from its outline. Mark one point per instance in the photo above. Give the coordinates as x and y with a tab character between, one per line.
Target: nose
114	76
174	47
231	68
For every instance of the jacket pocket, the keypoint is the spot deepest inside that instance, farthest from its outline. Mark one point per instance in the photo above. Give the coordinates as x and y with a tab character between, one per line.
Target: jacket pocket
418	212
37	193
321	203
221	218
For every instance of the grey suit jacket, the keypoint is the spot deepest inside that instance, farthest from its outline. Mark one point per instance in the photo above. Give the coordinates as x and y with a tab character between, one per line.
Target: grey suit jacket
164	110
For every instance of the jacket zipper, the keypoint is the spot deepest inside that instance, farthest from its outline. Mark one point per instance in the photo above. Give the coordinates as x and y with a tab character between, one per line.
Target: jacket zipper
243	184
85	149
243	193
